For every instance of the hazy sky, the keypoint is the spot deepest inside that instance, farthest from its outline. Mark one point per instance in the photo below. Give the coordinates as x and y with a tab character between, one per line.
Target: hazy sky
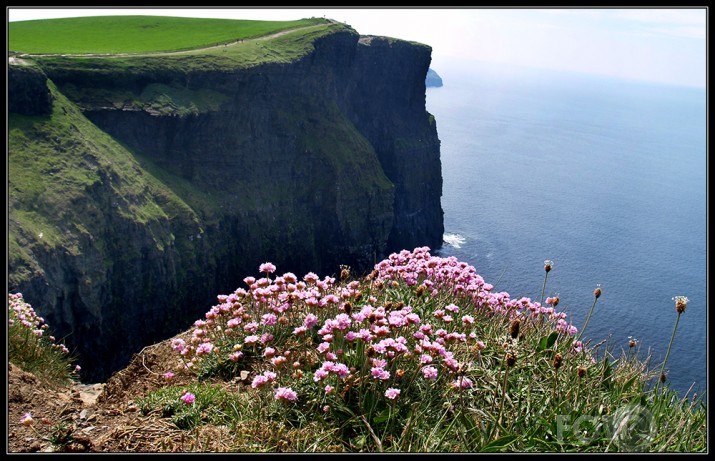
659	45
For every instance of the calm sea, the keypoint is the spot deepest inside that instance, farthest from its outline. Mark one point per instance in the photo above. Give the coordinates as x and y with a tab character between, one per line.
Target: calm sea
605	177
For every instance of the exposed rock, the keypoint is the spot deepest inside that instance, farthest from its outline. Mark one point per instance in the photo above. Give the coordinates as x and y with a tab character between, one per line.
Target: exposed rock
27	90
433	79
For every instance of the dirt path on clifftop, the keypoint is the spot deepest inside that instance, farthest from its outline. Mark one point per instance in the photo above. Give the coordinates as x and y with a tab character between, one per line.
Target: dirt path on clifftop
173	53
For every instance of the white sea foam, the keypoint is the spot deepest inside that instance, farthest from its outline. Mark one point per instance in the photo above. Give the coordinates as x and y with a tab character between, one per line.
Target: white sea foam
454	240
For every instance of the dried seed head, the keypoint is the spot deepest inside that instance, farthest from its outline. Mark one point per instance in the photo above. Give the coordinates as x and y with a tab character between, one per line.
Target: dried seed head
581	371
421	290
597	292
557	361
371	352
347	307
344	274
632	343
548	265
663	377
399	373
510	359
681	302
514	328
358	296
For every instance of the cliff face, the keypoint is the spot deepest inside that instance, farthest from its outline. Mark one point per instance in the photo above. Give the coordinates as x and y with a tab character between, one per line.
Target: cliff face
330	159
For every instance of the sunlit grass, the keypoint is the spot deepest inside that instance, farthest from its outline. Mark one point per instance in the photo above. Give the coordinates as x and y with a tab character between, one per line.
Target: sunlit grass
136	34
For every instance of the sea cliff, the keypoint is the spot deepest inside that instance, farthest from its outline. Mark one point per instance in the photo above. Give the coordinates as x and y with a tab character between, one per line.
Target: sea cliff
139	188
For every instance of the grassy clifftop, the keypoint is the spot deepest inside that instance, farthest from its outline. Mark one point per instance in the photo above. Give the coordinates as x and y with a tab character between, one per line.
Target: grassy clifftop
106	45
137	34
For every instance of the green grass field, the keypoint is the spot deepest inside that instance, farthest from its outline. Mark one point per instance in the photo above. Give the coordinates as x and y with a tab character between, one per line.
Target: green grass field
136	34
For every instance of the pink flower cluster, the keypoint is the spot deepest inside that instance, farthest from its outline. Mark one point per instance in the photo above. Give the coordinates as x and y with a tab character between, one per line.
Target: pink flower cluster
348	317
21	314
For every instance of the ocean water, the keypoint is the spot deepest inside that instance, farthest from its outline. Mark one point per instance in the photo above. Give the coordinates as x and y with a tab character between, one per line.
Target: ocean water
605	177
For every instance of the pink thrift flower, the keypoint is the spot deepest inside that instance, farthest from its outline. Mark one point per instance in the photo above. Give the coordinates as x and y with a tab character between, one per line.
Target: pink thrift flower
168	375
320	374
452	308
204	348
285	393
252	339
259	381
329	389
300	330
188	398
380	373
251	327
429	372
341	370
392	393
463	382
310	320
269	319
267	268
269	352
27	420
77	368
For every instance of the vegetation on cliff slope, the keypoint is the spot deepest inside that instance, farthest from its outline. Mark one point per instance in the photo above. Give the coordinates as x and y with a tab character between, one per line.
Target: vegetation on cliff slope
422	355
31	346
55	165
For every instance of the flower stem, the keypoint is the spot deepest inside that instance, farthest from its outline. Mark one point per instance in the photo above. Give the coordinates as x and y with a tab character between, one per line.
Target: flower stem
543	289
587	319
503	398
667	354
